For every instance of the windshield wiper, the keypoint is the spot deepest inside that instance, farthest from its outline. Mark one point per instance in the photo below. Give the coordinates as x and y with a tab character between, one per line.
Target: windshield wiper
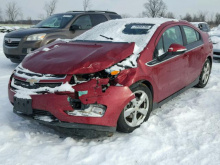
109	38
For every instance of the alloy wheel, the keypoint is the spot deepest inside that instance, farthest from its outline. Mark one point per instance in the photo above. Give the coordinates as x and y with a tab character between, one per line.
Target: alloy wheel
137	109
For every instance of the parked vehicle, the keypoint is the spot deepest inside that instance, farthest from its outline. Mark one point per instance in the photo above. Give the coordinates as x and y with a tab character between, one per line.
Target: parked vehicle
215	37
68	25
202	26
2	29
7	29
112	76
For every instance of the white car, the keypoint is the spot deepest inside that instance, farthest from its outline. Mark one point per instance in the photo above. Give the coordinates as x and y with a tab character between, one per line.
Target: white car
8	29
2	29
202	26
215	37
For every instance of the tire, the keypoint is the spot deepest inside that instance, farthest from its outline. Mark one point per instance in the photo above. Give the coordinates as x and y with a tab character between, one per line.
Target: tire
137	110
205	74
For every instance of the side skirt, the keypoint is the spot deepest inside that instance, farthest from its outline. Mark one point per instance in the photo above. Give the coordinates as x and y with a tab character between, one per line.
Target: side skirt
157	105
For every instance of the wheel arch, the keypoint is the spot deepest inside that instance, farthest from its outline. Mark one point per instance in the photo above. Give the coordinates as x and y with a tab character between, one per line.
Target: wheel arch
147	83
210	59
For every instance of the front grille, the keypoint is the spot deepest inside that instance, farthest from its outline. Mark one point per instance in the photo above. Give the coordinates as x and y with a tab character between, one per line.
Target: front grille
36	85
12	43
41	75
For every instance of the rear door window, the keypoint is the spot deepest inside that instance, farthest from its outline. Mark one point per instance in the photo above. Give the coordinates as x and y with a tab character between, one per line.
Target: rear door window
97	19
84	22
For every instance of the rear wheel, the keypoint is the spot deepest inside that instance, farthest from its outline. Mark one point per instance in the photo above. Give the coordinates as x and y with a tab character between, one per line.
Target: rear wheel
205	74
137	110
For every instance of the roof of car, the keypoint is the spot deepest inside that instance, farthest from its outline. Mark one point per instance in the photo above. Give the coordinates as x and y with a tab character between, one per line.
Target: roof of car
197	23
92	11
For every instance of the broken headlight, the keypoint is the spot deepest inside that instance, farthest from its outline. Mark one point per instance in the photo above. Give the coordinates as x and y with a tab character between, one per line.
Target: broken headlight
92	110
78	79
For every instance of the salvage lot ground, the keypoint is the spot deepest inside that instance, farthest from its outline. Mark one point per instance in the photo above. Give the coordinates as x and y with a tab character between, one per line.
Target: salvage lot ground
186	130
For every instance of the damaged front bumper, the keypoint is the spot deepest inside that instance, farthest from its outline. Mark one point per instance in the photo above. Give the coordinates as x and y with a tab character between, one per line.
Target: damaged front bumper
60	109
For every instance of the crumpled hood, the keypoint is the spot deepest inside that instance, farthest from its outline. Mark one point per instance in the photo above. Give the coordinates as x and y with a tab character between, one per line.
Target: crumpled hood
77	57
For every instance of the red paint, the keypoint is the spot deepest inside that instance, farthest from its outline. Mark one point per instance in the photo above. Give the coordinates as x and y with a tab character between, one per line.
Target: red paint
71	58
77	58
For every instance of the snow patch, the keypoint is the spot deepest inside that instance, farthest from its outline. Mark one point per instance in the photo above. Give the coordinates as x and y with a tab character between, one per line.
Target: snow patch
46	49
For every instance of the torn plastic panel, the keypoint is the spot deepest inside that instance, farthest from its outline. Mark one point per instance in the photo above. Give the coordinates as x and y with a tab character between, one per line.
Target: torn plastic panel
130	62
94	89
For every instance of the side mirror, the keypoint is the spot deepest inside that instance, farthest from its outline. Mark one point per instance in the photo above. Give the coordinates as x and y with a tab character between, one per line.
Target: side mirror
200	27
74	27
176	49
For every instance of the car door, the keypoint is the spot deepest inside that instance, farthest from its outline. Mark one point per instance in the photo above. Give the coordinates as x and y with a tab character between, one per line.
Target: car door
169	71
195	52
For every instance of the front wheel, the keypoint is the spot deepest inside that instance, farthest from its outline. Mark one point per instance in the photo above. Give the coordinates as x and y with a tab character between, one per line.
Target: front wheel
205	74
137	110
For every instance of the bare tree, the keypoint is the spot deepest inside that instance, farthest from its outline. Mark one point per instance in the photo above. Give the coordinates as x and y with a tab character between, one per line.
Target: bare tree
50	7
126	16
1	19
187	17
211	19
217	18
29	21
170	15
202	16
12	11
140	15
86	4
41	16
155	8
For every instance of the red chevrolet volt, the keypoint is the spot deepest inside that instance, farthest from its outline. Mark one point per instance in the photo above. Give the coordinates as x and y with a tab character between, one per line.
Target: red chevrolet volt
111	77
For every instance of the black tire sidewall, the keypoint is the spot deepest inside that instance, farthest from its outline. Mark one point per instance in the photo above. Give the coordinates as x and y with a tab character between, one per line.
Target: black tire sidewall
201	84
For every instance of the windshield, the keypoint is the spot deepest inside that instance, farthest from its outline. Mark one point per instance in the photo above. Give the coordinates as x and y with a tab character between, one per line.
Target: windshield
56	21
139	32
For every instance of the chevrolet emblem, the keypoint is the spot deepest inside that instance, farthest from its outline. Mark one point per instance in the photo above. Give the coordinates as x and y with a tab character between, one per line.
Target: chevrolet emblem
32	81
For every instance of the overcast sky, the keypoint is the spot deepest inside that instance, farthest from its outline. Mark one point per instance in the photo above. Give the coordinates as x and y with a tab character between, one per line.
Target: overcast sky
34	8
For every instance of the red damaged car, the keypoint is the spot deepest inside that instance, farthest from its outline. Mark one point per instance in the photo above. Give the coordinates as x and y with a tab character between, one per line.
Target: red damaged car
112	76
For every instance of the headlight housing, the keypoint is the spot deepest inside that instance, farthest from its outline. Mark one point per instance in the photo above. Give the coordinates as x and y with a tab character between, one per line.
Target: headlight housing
78	79
36	37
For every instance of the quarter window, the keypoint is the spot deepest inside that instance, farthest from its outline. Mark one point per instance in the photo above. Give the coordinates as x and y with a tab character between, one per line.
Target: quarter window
191	35
115	16
84	22
97	19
